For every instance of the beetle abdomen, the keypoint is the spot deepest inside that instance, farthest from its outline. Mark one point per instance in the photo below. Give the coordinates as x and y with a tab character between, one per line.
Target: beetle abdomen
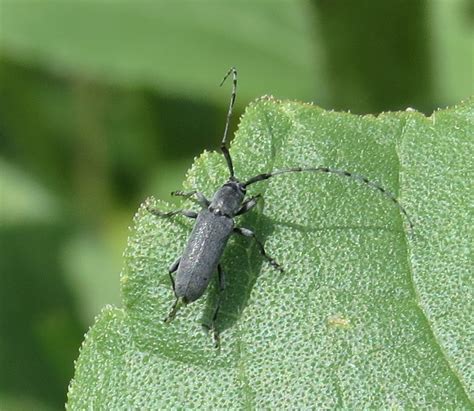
202	254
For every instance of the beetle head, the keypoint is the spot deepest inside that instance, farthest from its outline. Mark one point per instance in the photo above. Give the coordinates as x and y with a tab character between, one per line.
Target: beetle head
228	198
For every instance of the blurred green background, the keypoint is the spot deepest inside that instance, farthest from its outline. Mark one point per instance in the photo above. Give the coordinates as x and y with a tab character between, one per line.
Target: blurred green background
104	103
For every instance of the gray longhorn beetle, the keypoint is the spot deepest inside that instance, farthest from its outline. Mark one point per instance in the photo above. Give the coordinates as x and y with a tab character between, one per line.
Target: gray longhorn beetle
215	224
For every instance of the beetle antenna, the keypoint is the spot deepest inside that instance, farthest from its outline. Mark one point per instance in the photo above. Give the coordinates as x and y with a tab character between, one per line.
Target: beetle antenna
365	180
224	148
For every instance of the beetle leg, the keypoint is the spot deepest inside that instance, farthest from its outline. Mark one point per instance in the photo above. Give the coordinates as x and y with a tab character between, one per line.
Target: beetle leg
248	204
174	308
200	197
172	269
212	328
221	277
167	214
249	233
179	302
221	280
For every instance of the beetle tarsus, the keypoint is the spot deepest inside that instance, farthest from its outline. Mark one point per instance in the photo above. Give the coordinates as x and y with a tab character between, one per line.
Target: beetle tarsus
168	214
249	233
179	302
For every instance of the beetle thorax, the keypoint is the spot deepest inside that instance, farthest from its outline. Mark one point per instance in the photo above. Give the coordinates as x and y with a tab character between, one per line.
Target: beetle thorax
228	199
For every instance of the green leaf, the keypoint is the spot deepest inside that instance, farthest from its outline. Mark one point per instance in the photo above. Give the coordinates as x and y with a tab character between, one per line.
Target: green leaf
366	314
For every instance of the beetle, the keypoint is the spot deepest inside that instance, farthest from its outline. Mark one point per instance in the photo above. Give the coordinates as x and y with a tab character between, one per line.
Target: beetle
215	224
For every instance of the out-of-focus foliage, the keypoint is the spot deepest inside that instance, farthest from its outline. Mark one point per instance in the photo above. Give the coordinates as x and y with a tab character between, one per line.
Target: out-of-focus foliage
173	49
104	103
